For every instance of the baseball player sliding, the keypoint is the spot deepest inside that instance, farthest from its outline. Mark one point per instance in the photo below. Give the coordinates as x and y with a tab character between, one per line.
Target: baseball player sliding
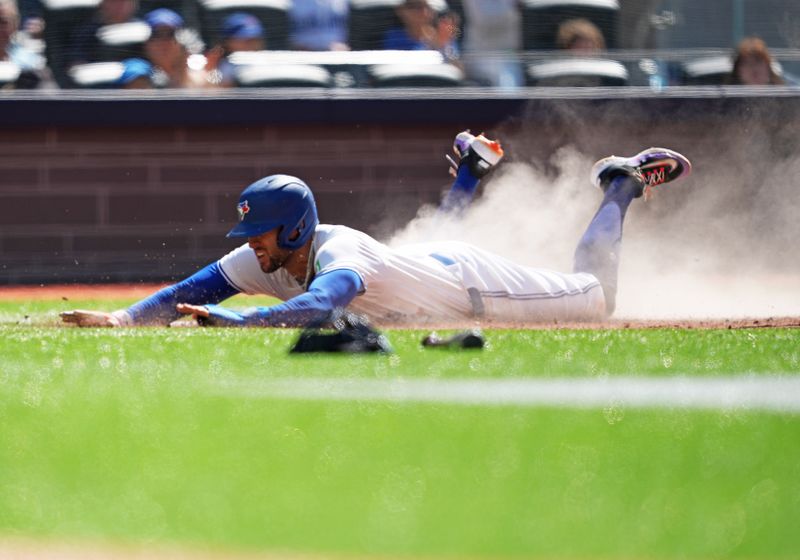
315	268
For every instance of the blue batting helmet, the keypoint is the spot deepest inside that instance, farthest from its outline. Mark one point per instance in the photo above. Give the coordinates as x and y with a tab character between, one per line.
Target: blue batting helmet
277	201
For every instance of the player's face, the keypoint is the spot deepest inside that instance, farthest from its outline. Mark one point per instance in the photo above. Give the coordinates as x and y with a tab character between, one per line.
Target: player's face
270	256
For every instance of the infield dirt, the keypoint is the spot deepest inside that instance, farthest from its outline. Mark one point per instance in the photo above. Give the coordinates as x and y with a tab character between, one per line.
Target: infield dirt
69	292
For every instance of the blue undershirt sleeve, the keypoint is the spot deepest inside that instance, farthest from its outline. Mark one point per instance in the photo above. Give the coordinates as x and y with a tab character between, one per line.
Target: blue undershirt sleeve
461	192
327	292
207	285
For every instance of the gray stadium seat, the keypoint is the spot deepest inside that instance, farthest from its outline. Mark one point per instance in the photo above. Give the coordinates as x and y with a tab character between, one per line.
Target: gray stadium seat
577	72
368	21
9	72
96	75
283	75
348	68
62	18
416	75
541	18
273	15
713	70
123	40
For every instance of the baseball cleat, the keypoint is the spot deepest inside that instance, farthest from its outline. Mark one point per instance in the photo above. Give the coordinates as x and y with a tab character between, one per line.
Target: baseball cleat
654	166
462	143
479	152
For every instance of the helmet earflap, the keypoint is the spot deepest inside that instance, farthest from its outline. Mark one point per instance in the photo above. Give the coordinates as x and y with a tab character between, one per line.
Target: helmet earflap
294	237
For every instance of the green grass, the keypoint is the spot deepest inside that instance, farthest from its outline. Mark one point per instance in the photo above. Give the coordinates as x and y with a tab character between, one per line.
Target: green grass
114	434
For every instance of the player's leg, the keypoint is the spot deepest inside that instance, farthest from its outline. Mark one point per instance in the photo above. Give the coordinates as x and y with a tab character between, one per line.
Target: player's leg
598	249
477	156
622	180
505	291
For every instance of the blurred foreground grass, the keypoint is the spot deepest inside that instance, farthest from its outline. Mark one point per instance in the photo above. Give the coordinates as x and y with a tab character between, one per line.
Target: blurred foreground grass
115	434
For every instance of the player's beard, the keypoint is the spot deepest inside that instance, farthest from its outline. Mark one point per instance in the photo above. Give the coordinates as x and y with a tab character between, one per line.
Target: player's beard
273	262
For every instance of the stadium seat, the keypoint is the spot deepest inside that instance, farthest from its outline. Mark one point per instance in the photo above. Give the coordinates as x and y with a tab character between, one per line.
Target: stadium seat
62	18
96	75
577	72
416	75
9	72
541	18
273	14
283	75
713	71
370	19
123	40
347	68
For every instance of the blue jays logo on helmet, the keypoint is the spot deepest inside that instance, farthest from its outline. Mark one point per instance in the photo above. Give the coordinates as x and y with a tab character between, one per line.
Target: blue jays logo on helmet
242	208
277	201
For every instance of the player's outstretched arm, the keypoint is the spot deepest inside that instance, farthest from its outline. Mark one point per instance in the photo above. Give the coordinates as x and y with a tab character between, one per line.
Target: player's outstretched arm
208	285
327	292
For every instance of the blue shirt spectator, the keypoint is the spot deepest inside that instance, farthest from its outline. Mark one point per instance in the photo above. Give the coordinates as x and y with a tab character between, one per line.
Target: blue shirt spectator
399	39
241	32
319	25
423	30
168	53
136	74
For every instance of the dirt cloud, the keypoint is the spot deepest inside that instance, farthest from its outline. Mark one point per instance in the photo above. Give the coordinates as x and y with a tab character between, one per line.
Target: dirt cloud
722	243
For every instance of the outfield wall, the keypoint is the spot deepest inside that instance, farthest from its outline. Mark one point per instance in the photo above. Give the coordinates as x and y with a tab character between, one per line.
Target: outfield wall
111	187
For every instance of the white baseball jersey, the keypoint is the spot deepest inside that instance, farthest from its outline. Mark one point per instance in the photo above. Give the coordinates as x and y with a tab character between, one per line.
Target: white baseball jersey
429	282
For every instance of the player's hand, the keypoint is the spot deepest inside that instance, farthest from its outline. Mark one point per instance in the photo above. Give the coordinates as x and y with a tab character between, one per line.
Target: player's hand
198	312
83	318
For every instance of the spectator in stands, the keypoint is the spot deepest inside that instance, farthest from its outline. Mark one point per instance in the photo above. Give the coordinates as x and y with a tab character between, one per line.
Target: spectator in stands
24	68
319	25
137	74
31	17
581	39
423	29
170	57
580	36
492	37
85	44
753	65
240	33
